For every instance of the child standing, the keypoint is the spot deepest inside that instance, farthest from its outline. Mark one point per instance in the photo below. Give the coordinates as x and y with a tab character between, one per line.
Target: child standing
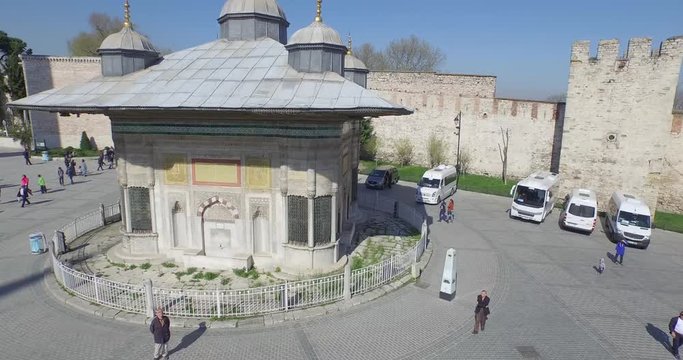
41	183
620	250
451	209
60	175
442	211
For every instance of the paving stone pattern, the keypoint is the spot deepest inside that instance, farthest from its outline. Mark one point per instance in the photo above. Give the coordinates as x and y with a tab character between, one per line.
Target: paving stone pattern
547	299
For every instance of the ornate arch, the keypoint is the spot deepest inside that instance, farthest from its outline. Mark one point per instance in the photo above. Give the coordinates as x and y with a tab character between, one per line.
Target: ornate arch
215	200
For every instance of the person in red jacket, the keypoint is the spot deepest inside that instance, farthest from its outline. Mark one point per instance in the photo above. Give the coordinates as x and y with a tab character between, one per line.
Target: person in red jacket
451	210
161	328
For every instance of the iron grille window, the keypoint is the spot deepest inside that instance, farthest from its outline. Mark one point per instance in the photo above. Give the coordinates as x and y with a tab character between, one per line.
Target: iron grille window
140	211
322	213
354	185
297	224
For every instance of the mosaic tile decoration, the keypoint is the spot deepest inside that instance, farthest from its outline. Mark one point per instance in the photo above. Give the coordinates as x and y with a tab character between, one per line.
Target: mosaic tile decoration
258	173
175	169
296	132
216	172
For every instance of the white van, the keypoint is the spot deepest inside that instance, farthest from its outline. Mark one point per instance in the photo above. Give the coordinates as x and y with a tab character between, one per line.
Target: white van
533	198
628	218
580	210
437	184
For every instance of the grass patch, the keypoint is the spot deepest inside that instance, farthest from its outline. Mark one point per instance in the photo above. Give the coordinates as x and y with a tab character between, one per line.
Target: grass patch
191	270
180	274
485	184
668	221
132	267
169	264
145	266
277	269
372	254
226	281
210	276
251	274
410	173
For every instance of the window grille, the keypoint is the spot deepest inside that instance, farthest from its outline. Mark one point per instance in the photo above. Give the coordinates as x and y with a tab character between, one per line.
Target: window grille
322	215
297	224
140	210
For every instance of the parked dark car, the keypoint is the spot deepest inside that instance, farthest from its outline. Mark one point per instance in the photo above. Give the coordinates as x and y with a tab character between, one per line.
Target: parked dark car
383	176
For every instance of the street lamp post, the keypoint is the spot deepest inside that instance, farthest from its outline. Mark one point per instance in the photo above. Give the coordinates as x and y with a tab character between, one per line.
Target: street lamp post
457	121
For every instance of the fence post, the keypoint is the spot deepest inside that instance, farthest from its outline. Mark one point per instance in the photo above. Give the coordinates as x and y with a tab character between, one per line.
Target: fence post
286	291
95	280
149	298
347	279
391	267
218	302
102	214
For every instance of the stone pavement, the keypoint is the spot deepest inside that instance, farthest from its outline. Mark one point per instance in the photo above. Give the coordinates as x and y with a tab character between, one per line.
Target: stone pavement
547	301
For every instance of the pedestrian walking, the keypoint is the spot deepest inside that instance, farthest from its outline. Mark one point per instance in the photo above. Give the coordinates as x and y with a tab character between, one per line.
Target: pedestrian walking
620	250
24	192
442	211
601	265
84	168
100	161
161	328
451	210
481	312
676	330
111	157
27	156
24	180
41	183
60	175
71	172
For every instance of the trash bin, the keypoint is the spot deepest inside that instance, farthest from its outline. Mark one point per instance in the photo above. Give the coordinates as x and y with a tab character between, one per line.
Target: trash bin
46	156
37	243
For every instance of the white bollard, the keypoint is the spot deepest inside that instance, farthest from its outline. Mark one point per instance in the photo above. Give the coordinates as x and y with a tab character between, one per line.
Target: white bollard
449	279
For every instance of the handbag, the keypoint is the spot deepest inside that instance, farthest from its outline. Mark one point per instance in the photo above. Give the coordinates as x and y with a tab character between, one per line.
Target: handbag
487	311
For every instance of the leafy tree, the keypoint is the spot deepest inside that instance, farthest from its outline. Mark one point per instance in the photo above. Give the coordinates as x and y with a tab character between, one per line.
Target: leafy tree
436	149
87	43
11	72
368	140
404	151
85	142
407	54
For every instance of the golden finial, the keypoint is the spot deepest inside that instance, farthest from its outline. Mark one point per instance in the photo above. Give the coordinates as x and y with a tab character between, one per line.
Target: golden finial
319	11
350	47
126	15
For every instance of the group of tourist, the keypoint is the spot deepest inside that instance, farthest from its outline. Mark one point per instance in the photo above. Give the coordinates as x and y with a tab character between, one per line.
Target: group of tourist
447	212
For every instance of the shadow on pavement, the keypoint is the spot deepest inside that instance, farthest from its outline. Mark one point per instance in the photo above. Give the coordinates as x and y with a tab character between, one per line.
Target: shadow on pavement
189	339
15	285
54	191
659	335
40	202
11	154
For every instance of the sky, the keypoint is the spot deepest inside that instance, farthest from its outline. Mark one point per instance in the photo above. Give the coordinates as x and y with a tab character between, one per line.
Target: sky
525	43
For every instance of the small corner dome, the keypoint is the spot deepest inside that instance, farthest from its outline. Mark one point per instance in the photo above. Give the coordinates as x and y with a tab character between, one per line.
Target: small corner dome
127	39
263	7
352	62
316	33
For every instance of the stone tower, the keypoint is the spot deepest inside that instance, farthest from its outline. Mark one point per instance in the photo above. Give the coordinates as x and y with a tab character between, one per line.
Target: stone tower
618	117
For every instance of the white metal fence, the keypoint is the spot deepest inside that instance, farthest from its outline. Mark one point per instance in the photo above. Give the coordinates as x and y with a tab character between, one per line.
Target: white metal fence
234	303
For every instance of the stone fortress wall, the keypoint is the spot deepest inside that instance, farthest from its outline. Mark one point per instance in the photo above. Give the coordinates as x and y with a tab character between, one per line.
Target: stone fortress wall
618	131
47	72
438	98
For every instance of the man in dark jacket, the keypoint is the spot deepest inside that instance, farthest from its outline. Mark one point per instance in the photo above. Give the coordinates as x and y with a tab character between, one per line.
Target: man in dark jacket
676	330
161	328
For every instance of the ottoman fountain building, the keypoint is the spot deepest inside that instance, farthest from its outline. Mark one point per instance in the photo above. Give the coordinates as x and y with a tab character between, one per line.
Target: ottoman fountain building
238	150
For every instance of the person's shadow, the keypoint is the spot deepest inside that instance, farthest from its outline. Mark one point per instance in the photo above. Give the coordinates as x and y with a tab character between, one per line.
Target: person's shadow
659	335
189	339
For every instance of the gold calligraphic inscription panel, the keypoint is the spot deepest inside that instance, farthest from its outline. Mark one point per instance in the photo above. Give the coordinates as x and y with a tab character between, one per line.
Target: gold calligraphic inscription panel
258	173
175	172
216	172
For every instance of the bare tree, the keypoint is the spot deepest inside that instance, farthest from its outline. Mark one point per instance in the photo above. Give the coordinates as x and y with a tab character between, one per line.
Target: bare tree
87	43
372	58
413	54
503	151
407	54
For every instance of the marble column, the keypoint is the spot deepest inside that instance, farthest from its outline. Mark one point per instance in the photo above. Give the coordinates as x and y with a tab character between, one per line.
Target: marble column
285	206
310	192
333	213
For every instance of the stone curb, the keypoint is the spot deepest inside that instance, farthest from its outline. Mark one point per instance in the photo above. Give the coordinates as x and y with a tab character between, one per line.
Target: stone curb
261	321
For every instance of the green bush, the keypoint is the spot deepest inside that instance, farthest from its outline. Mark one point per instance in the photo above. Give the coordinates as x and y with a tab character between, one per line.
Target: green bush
404	151
169	264
145	266
85	142
436	149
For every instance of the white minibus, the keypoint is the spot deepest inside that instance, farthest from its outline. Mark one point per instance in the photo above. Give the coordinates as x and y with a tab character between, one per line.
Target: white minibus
533	198
580	211
628	218
436	184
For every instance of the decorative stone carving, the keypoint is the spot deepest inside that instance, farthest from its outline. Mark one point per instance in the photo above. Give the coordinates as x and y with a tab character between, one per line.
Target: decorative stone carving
259	206
283	179
234	212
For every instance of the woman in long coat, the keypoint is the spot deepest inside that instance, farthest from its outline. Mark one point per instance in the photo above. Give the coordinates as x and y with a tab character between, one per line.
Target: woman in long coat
481	312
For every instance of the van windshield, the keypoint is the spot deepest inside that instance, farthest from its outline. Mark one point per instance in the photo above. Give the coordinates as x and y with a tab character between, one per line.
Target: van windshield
377	173
627	218
530	197
584	211
429	183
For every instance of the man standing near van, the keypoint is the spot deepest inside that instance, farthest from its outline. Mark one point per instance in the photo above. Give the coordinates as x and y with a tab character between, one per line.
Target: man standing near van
676	330
620	250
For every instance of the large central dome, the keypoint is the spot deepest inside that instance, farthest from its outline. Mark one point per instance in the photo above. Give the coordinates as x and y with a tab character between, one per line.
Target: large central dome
263	7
